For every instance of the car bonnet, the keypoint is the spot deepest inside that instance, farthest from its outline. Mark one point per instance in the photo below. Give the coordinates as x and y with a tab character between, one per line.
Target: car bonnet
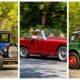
3	45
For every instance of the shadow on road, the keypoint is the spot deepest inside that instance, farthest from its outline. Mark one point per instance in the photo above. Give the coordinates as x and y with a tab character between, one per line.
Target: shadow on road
46	58
75	69
38	67
9	67
33	73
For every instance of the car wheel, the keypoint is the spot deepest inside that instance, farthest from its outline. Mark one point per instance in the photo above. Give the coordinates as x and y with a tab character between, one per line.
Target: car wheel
24	52
1	62
62	53
74	60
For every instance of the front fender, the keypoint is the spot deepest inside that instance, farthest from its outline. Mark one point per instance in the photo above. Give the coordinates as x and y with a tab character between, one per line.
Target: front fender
4	54
1	52
75	49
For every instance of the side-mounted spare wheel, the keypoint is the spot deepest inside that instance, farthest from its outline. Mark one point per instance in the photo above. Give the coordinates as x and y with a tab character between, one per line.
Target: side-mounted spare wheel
62	53
74	60
24	52
1	62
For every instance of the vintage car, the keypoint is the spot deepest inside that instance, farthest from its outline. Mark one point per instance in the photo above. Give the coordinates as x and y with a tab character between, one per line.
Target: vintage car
8	50
49	42
74	50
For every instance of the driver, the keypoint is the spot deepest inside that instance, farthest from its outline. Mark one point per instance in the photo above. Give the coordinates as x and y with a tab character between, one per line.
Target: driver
36	33
62	35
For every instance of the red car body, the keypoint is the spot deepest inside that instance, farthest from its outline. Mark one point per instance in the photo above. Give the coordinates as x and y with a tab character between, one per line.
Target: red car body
47	47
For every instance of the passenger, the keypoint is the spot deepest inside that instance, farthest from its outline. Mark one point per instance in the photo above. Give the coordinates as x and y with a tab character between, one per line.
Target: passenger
62	35
51	35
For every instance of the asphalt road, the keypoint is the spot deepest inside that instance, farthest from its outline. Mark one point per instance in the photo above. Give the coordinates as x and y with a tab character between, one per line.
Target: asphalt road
74	73
9	71
35	67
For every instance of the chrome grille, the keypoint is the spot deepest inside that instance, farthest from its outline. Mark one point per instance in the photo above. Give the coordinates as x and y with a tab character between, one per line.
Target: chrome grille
13	51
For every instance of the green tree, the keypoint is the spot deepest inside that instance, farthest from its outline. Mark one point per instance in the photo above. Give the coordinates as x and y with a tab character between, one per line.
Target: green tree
43	14
9	18
74	16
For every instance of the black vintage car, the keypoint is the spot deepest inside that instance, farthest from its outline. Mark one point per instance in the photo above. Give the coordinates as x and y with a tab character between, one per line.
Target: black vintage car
8	50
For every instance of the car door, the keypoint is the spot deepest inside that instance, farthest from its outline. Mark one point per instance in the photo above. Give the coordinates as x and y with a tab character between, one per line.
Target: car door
48	48
36	45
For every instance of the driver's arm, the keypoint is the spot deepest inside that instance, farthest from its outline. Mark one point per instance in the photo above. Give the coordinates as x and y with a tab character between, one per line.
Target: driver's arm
30	33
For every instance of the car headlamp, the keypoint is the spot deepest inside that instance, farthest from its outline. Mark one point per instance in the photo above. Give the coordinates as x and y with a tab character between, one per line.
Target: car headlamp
5	49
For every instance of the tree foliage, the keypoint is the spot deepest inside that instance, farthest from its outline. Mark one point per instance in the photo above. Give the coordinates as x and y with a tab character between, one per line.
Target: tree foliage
43	14
9	18
74	16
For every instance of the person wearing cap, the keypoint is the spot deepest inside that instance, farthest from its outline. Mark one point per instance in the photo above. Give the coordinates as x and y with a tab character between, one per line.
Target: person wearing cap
37	31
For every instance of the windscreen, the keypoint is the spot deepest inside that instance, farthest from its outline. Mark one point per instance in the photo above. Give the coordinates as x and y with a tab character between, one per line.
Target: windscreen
53	33
4	38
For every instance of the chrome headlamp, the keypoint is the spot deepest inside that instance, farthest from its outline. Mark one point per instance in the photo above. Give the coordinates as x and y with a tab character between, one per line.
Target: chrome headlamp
4	49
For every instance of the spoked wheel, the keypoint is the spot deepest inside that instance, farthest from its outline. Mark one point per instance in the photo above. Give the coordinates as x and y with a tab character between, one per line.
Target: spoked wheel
62	53
74	61
24	52
1	62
